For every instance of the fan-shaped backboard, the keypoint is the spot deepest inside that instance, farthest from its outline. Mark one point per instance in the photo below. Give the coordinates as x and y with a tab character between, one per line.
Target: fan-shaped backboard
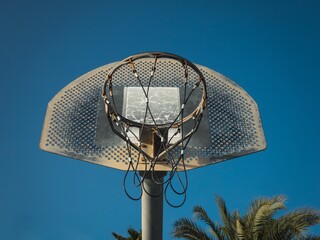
76	125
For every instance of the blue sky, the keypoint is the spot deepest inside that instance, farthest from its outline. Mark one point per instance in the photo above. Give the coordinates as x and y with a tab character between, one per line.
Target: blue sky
270	48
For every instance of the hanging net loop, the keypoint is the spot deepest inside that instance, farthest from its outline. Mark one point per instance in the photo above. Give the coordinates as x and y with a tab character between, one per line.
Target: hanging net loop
156	116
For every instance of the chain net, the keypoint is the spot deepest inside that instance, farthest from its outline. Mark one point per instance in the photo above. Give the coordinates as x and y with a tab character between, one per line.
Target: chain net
156	128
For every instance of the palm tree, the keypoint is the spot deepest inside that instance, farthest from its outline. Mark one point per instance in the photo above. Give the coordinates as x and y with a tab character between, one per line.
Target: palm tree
258	223
133	235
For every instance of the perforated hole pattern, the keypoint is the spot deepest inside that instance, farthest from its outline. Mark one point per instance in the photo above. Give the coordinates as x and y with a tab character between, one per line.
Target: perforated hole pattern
71	120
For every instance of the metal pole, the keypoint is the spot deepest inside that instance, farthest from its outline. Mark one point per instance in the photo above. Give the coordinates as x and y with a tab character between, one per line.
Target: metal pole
152	208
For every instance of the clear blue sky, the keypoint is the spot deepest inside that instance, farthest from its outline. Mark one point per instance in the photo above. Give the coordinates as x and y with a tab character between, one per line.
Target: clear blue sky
270	48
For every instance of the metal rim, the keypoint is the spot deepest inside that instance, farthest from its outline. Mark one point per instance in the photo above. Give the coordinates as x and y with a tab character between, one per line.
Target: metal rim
155	55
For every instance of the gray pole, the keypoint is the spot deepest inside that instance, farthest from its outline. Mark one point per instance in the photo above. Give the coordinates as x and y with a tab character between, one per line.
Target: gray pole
152	208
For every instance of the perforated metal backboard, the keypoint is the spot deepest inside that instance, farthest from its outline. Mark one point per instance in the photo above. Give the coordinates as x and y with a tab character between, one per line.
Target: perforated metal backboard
76	125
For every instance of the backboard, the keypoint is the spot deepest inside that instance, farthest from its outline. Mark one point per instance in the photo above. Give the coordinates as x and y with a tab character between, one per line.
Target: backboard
76	124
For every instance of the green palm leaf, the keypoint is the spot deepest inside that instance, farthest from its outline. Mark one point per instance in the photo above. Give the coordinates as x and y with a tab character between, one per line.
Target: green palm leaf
187	229
201	214
228	226
133	235
258	223
263	216
118	237
239	228
297	222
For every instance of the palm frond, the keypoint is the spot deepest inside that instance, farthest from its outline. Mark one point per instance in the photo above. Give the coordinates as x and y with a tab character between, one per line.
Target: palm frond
118	237
312	238
229	226
257	224
263	217
298	221
134	234
201	214
239	228
256	204
249	217
186	228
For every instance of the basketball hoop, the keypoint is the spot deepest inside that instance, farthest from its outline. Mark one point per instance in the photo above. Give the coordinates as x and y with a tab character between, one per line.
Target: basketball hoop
159	116
146	129
162	134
